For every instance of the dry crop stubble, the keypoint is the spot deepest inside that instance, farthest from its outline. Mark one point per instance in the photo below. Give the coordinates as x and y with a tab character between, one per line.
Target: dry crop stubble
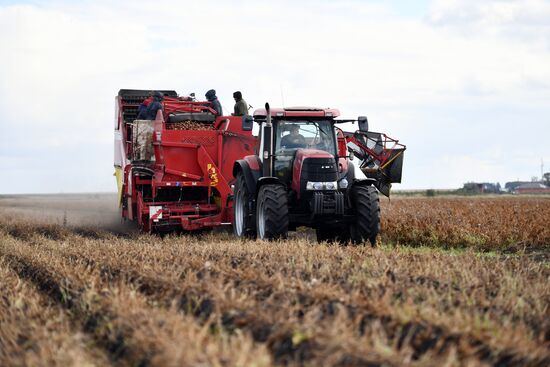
215	301
129	328
36	332
495	223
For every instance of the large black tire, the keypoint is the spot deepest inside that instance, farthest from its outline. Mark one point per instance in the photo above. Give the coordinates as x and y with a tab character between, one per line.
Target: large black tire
338	234
366	205
243	219
272	212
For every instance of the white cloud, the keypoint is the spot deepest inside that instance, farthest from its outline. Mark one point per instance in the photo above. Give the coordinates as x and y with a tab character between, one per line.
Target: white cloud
422	80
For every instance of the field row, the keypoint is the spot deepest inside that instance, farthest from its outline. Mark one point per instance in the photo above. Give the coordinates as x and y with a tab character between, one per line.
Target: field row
210	300
35	331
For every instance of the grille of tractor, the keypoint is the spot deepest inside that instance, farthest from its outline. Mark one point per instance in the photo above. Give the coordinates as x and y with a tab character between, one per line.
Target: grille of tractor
328	203
319	170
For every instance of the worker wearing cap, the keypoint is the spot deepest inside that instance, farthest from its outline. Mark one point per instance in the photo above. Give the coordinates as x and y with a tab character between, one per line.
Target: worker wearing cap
150	112
241	107
213	99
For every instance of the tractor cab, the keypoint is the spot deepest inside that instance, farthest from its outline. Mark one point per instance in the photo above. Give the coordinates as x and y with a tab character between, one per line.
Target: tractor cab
296	139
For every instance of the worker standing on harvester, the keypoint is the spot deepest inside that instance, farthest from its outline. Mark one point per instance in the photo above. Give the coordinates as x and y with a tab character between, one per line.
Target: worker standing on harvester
241	107
151	109
143	106
213	99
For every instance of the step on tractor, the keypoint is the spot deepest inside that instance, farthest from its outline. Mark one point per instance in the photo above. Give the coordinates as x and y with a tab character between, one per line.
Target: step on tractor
174	173
301	175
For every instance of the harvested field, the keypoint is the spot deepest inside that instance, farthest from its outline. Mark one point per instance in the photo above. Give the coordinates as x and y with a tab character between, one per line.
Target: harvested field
452	282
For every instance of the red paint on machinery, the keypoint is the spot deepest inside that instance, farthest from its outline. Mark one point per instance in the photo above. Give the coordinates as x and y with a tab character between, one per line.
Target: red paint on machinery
186	183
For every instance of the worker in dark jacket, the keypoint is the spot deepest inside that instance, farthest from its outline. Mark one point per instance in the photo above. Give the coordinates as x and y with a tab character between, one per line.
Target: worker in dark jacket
143	106
150	111
241	107
213	99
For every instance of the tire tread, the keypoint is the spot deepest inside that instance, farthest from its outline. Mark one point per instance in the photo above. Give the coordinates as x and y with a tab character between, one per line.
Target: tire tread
276	211
367	210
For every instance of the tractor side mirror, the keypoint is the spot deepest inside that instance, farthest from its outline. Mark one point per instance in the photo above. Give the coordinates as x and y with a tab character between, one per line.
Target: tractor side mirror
248	122
363	123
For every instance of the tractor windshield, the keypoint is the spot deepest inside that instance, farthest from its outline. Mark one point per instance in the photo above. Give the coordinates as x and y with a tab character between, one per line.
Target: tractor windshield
307	134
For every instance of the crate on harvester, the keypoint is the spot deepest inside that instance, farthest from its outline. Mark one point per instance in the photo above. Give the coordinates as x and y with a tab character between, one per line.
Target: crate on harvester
143	140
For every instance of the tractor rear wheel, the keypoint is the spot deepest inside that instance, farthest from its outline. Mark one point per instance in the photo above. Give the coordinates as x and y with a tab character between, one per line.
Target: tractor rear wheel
367	214
243	221
272	212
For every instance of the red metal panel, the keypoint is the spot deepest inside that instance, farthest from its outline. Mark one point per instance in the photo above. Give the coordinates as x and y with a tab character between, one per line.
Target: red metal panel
299	112
302	154
183	159
253	162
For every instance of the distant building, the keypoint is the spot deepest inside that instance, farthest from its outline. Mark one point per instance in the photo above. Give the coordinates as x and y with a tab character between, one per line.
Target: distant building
532	188
481	188
511	186
525	186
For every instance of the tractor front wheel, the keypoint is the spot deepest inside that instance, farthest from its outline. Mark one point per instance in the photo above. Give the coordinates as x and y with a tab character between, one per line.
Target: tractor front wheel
272	212
367	214
243	225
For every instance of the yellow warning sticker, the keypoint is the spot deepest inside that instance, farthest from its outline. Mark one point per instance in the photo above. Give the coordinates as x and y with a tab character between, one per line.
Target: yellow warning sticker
212	174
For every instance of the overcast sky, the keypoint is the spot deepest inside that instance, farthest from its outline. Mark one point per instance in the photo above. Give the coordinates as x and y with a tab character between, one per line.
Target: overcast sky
464	84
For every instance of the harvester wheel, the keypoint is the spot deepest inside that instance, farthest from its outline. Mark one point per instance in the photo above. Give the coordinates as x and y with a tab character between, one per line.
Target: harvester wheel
367	214
243	222
272	212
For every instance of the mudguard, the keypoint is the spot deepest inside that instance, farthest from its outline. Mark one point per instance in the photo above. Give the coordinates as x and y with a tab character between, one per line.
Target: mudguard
266	181
363	182
250	176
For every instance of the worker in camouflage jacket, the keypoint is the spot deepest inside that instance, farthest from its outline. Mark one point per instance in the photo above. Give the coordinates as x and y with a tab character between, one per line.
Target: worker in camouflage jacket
213	99
241	107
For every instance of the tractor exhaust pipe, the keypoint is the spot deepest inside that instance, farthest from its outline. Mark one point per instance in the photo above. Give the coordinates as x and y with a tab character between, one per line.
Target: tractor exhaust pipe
267	153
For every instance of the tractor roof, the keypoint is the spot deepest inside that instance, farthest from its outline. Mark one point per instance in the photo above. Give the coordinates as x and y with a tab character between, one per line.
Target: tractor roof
298	112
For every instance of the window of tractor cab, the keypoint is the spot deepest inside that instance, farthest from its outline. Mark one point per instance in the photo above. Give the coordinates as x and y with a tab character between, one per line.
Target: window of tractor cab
291	135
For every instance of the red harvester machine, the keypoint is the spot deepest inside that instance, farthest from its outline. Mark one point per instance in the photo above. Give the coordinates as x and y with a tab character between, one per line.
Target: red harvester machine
184	181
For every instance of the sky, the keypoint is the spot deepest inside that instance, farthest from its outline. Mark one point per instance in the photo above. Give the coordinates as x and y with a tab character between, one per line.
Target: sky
464	84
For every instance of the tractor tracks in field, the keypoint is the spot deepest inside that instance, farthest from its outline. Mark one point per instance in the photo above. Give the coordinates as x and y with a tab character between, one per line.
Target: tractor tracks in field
285	344
127	327
200	302
96	321
72	299
234	300
36	331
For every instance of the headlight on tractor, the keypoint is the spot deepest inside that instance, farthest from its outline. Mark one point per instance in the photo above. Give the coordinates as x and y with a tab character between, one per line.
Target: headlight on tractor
317	186
344	183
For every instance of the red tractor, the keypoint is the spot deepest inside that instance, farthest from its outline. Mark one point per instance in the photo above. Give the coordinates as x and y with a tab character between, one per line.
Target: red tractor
175	172
301	176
